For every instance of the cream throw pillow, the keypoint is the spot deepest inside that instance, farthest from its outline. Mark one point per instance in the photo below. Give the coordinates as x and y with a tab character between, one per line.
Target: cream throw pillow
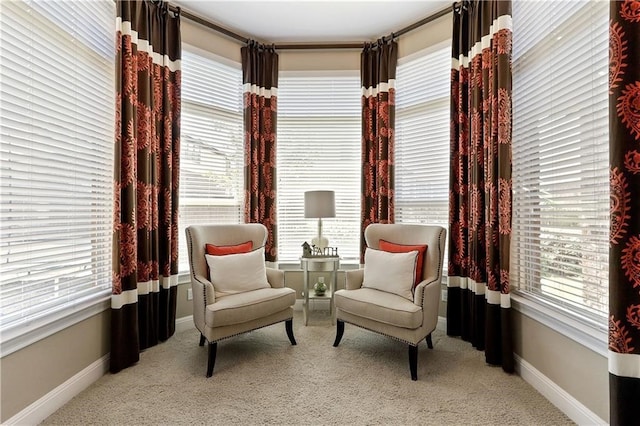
237	273
390	272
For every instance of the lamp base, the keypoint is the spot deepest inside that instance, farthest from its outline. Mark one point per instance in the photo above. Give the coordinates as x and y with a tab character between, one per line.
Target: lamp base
320	242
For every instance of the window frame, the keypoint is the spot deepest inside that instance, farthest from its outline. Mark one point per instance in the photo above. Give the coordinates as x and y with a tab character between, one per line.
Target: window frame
416	56
184	273
76	310
288	263
583	329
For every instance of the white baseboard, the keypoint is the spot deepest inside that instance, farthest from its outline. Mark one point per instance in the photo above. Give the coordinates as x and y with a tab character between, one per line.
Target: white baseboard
52	401
566	403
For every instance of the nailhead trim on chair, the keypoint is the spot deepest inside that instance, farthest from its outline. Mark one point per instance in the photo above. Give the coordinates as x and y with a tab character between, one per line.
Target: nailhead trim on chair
421	304
439	270
193	275
383	334
248	331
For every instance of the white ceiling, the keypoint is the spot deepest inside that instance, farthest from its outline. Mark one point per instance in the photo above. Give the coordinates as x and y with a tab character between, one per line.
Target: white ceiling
313	21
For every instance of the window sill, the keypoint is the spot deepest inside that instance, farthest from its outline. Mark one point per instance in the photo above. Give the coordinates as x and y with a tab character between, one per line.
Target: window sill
19	338
582	330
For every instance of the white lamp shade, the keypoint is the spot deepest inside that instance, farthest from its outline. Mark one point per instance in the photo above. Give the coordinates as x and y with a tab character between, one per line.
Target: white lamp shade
319	204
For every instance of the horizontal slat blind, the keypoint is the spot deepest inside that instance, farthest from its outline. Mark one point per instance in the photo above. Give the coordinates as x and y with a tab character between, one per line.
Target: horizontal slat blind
57	129
422	137
318	149
211	144
560	154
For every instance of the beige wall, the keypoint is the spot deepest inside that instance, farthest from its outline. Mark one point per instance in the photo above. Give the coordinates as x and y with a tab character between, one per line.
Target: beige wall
184	306
581	372
32	372
211	41
432	33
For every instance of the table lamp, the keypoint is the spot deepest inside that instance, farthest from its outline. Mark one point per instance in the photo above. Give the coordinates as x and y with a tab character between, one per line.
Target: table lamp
319	204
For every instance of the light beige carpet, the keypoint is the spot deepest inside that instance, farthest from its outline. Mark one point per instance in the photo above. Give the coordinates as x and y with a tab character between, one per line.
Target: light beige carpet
259	378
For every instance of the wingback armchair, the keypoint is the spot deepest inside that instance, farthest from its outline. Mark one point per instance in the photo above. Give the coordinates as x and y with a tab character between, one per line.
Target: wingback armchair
409	317
223	308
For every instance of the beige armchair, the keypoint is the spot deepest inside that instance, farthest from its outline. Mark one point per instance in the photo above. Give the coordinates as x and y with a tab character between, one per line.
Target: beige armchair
220	313
390	314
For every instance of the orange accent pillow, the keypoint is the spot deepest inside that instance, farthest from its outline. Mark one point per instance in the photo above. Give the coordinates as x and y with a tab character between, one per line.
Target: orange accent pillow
233	249
403	248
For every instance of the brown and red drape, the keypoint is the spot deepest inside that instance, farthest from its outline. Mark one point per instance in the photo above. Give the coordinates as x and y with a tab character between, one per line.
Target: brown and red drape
624	251
478	307
147	149
378	63
260	78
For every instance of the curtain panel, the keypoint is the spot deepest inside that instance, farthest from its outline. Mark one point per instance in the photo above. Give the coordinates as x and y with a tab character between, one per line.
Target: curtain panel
624	248
478	307
260	100
146	167
378	63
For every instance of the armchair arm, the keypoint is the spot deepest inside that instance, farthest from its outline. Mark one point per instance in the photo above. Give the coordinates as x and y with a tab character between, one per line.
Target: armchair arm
275	277
354	278
201	284
424	291
427	296
203	295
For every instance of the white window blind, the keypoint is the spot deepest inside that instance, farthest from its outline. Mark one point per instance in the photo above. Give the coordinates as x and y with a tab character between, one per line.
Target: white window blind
422	137
319	149
211	150
560	154
57	127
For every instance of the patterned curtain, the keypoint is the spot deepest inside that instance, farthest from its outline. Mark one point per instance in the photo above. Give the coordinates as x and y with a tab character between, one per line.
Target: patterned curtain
378	63
260	78
624	251
478	307
147	148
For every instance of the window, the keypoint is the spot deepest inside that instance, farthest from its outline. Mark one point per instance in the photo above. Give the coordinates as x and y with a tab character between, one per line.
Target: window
422	137
319	148
560	155
57	126
211	143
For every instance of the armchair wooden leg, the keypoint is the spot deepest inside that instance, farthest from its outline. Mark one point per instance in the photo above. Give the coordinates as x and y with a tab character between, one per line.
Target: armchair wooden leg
339	332
413	361
429	342
288	325
213	347
201	339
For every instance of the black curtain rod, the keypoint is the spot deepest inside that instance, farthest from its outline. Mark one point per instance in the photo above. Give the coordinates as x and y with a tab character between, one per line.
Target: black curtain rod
208	24
307	46
424	21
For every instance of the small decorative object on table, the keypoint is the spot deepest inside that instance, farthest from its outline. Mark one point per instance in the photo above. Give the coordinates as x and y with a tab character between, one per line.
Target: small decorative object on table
306	249
315	251
320	287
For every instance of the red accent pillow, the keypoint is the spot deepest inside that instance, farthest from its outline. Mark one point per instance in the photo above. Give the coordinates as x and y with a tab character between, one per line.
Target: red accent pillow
233	249
403	248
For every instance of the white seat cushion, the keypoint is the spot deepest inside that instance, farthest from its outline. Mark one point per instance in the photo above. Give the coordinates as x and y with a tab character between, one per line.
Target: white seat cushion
380	306
248	306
